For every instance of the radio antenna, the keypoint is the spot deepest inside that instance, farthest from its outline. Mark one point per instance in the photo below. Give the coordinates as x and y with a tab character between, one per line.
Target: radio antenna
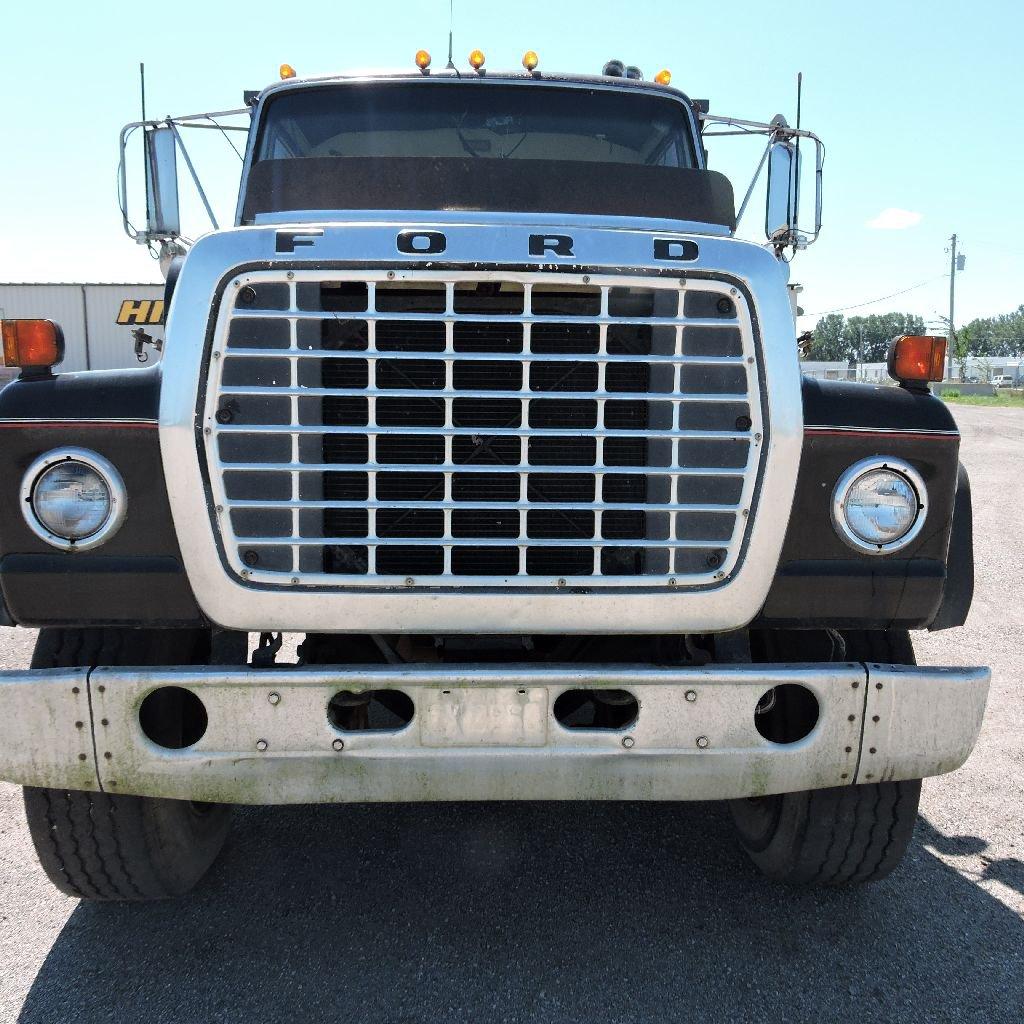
796	162
145	147
451	31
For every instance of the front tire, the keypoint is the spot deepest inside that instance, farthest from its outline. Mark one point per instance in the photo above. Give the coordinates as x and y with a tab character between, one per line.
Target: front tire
829	836
839	836
100	846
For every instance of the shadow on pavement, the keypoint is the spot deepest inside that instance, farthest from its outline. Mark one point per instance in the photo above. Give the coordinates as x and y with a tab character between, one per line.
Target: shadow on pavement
487	912
1007	870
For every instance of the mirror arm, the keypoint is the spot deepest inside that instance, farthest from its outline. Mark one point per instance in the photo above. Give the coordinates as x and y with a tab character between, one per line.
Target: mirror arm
753	183
760	127
195	177
819	164
122	180
187	121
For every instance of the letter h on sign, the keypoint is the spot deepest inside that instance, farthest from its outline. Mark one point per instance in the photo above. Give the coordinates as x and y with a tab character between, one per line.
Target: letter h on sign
141	311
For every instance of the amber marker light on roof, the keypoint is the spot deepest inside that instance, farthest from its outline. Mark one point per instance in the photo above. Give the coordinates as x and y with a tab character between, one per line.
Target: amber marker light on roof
917	359
32	344
422	60
530	60
287	71
663	77
476	60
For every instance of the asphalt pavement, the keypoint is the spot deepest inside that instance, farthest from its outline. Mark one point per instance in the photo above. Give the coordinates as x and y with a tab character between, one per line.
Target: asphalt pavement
395	914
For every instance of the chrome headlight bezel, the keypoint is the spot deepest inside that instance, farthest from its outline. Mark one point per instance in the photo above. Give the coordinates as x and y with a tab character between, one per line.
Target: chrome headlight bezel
842	491
99	465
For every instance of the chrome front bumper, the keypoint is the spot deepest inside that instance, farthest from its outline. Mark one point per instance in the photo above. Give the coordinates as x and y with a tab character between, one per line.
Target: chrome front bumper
486	733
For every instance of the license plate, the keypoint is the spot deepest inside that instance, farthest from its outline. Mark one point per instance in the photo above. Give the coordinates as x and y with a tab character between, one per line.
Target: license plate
484	716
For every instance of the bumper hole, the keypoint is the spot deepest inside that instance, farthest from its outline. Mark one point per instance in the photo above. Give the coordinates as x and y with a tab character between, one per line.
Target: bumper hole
787	713
370	710
596	709
173	717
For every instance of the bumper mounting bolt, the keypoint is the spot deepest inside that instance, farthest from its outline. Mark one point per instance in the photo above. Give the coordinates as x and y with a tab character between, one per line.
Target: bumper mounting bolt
628	741
274	698
338	744
691	695
702	742
261	745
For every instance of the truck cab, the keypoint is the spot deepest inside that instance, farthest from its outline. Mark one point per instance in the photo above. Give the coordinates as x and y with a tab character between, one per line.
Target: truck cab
483	398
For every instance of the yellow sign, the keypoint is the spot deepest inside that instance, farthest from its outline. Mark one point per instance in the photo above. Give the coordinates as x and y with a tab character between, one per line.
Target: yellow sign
141	311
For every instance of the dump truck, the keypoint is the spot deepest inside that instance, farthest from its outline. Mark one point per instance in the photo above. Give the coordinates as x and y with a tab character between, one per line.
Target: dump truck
482	396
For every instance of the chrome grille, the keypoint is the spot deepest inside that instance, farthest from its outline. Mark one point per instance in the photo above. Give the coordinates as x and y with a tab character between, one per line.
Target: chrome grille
426	429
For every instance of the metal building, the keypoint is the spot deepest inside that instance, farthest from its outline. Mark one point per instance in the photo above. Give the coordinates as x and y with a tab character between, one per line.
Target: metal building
97	319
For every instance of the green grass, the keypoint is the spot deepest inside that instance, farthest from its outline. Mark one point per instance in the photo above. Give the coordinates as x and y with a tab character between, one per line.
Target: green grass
1005	398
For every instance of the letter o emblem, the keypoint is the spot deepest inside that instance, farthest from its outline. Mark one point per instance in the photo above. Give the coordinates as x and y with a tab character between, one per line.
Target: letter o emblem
422	243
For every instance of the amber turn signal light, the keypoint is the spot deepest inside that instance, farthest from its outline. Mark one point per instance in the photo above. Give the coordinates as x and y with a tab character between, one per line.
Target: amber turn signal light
917	359
32	344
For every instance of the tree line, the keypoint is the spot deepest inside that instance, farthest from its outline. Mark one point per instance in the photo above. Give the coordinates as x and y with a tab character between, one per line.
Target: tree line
866	339
860	339
1001	335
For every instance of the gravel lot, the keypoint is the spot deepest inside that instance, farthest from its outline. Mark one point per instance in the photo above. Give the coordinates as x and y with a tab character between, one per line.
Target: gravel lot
544	912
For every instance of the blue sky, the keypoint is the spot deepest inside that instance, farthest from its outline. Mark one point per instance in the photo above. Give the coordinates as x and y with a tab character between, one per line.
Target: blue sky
919	105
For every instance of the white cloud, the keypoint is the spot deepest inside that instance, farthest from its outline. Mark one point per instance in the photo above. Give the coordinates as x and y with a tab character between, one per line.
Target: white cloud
894	219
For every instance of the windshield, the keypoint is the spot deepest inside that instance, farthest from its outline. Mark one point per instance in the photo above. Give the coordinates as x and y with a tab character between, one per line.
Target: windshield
473	120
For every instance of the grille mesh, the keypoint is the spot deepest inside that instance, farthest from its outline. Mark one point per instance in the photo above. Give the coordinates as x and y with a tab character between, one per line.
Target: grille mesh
429	429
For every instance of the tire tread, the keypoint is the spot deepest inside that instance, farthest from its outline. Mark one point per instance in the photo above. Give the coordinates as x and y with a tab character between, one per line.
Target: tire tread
103	846
848	834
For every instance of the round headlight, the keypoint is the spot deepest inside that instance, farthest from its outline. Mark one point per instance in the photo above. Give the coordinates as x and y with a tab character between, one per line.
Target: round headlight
73	498
879	505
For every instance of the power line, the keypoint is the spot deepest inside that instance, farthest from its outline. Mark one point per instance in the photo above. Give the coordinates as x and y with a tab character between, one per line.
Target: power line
871	302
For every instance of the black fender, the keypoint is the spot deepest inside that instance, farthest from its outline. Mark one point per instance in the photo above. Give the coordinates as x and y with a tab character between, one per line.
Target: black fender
136	578
823	583
959	589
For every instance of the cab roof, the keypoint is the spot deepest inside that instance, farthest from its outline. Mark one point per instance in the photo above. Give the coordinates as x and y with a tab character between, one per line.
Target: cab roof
535	78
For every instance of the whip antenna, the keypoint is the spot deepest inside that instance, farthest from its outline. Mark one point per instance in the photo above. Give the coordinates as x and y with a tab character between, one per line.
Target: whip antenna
796	162
451	29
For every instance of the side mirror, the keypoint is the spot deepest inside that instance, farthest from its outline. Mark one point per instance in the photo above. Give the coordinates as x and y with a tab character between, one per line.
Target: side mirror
162	217
780	221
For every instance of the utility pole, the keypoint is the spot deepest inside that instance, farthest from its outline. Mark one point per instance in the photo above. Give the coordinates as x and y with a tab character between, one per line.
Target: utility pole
952	294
